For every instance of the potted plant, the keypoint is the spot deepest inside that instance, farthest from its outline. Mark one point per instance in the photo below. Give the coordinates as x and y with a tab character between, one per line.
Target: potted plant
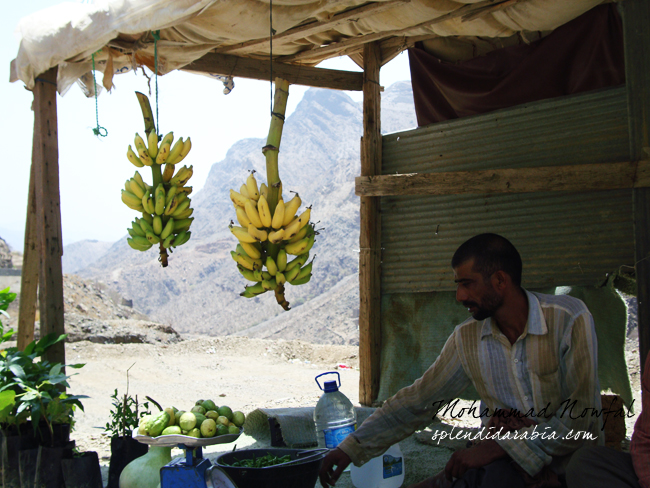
124	418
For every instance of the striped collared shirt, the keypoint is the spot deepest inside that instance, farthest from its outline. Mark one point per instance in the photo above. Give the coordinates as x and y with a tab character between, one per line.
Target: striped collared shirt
551	365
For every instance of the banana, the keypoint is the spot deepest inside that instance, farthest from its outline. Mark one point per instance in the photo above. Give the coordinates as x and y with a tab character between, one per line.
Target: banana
281	260
182	224
271	266
276	236
137	228
244	191
310	243
264	190
167	230
290	209
138	142
297	262
147	217
255	263
138	177
242	218
264	211
269	284
135	188
280	279
186	189
175	153
251	186
251	250
131	201
301	233
168	172
291	274
167	242
238	199
181	238
133	157
152	139
305	270
180	208
253	291
170	195
252	214
184	214
182	176
242	234
181	196
239	259
137	245
304	217
260	235
297	247
159	199
278	215
153	238
163	152
142	150
259	274
301	281
146	226
147	204
157	225
292	229
131	232
246	273
187	145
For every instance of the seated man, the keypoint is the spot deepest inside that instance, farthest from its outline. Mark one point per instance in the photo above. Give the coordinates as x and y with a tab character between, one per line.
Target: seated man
596	466
527	351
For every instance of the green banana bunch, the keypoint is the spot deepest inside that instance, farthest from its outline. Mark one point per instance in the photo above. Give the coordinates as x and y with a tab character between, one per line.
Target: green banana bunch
267	238
165	205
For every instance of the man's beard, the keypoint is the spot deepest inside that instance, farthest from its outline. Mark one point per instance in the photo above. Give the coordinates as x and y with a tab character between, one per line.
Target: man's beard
491	302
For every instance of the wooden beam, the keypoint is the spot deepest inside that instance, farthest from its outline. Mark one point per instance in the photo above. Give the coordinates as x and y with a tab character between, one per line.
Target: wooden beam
226	65
636	34
584	177
370	235
349	45
31	264
46	170
306	30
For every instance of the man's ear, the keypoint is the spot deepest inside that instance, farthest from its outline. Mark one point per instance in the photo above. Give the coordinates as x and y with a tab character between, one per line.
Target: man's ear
501	280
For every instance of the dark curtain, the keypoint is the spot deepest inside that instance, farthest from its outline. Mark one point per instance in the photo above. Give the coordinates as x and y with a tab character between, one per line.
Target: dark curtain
584	54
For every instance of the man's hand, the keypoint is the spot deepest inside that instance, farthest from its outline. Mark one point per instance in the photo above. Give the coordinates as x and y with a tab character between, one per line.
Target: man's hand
328	476
478	456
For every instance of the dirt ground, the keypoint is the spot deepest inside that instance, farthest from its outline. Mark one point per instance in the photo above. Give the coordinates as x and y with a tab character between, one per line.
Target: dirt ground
242	373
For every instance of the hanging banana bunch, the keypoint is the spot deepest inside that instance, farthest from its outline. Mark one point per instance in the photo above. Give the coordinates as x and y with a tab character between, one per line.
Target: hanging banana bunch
274	236
165	205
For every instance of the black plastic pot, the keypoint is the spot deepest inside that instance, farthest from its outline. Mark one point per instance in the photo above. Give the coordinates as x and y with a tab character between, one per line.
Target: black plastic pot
12	445
59	437
27	466
49	473
82	471
123	451
301	475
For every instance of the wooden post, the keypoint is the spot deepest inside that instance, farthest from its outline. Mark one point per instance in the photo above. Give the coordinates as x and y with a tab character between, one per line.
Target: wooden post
29	274
636	31
370	234
46	170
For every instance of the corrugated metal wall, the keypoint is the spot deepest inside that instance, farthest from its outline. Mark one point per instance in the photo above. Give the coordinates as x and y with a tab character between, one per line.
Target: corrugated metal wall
564	238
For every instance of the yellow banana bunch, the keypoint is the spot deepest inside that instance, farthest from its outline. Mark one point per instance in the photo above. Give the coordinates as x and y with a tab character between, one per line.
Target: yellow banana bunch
165	205
267	238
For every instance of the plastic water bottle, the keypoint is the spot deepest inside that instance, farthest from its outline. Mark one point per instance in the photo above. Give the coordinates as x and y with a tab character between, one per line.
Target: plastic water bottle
385	471
334	414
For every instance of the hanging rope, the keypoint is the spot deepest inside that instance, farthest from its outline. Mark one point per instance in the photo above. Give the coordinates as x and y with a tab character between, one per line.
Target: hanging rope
156	38
98	130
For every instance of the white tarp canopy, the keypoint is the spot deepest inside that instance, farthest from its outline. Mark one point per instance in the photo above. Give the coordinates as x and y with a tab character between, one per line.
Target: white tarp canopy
119	32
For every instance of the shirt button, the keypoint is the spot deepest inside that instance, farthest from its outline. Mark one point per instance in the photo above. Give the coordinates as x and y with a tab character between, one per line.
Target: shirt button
516	360
525	398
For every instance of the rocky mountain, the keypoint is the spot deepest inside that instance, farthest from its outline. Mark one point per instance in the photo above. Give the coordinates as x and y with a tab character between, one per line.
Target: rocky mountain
199	291
80	255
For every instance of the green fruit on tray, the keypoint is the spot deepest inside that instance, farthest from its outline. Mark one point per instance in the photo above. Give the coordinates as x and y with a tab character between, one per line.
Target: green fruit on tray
198	409
187	421
194	433
226	412
209	405
233	429
222	429
208	428
238	418
172	430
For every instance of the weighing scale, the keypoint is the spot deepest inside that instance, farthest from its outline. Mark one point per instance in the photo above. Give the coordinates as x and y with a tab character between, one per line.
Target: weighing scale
192	471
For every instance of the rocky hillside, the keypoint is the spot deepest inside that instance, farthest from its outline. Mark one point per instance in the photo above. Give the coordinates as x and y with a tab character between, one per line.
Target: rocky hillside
199	291
79	255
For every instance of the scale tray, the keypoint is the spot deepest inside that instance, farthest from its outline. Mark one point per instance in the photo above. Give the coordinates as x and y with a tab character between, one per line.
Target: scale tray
174	439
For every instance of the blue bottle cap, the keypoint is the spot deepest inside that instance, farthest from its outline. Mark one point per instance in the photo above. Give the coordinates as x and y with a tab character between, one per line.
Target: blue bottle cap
330	386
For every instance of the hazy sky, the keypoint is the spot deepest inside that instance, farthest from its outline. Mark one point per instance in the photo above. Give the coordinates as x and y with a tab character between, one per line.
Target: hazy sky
93	169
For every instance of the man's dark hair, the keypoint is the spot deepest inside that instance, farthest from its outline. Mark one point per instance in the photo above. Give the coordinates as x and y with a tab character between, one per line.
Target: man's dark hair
491	253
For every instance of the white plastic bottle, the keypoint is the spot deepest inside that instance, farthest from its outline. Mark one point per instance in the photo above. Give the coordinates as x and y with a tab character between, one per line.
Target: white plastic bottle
385	471
334	414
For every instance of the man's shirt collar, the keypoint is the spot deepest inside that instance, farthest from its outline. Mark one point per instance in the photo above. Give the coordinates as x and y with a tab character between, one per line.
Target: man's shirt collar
536	324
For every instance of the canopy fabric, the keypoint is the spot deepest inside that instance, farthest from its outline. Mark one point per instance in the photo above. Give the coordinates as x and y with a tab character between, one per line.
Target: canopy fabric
119	32
584	54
